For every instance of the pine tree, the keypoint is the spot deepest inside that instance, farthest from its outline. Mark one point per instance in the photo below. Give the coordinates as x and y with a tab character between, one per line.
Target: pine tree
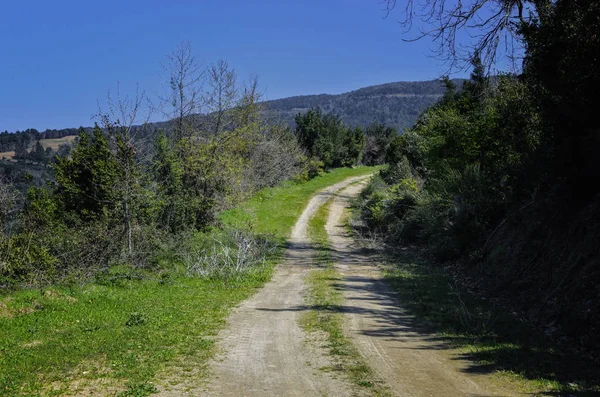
86	182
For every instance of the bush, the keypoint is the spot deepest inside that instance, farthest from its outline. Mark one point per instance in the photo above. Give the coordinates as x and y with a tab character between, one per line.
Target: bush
377	142
311	168
229	254
373	210
324	137
24	260
385	206
453	215
397	171
276	157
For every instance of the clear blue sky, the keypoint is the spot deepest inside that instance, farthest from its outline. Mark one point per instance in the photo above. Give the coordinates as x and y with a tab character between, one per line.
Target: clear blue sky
59	58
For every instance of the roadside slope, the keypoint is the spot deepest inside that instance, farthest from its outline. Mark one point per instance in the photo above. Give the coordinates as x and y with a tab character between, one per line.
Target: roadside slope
410	360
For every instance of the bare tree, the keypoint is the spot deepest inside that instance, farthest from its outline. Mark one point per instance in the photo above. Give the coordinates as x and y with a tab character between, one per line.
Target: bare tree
186	77
490	27
276	157
249	105
221	96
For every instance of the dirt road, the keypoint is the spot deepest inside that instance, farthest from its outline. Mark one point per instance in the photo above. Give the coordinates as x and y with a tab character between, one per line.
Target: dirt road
264	352
409	360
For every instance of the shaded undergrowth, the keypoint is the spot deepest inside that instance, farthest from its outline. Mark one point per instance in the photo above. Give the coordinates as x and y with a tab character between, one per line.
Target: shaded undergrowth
490	339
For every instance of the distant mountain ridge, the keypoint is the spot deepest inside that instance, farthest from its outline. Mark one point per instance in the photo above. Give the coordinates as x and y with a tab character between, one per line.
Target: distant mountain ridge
396	104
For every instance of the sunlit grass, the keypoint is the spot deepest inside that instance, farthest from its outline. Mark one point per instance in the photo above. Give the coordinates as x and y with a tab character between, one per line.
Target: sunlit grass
123	332
275	210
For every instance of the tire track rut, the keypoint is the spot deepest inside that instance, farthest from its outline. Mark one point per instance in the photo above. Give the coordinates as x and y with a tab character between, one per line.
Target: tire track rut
263	348
411	361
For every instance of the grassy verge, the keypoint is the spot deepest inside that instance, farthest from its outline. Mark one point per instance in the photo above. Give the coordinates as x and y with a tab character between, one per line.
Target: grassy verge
275	210
489	339
66	340
119	333
325	315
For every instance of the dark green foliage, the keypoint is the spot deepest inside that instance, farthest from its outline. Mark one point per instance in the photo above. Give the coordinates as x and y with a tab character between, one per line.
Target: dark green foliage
397	171
116	201
353	144
471	156
95	214
394	104
136	319
40	209
180	203
87	181
24	260
309	127
325	138
563	68
378	138
18	141
168	172
39	154
506	173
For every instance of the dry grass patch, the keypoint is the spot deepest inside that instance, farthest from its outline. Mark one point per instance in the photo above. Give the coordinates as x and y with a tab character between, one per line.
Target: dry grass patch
88	378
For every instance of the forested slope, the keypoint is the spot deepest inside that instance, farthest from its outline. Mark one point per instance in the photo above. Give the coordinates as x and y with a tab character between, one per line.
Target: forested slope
396	105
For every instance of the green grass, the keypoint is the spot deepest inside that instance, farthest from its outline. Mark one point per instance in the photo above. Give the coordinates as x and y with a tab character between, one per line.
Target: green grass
275	210
318	236
325	315
125	330
489	339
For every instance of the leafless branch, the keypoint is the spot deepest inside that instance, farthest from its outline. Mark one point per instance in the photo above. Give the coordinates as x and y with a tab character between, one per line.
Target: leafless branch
185	84
461	28
221	96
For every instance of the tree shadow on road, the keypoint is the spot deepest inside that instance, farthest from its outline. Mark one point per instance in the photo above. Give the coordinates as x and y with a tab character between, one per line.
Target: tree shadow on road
490	339
417	300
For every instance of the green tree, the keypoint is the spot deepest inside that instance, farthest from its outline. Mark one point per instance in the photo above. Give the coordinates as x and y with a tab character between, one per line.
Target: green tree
86	182
325	138
38	153
308	129
167	171
354	141
562	67
377	142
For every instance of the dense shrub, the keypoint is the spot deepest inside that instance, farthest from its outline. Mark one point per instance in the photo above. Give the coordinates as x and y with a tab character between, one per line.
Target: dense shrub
118	201
378	138
467	163
509	166
24	260
276	157
325	138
